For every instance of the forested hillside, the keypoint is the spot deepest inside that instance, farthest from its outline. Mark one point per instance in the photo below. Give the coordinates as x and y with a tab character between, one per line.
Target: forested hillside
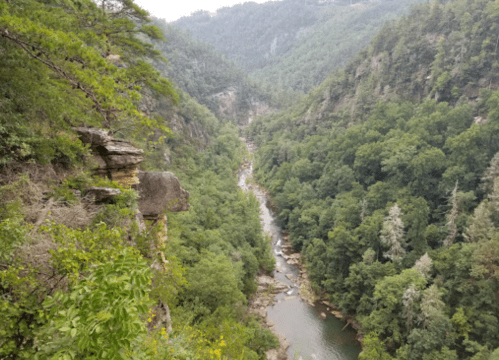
250	33
293	45
340	32
82	276
386	177
209	77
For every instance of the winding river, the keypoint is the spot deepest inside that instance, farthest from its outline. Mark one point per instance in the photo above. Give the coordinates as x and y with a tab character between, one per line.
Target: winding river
310	336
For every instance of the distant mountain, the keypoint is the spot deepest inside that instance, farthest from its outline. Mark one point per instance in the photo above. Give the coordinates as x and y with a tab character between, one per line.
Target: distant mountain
253	34
209	77
293	45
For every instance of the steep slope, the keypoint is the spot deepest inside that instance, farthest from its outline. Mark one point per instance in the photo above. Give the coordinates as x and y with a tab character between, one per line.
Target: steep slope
83	273
251	33
210	78
386	178
293	45
340	32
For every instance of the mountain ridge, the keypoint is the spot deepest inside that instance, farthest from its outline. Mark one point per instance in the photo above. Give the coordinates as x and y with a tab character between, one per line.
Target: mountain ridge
293	45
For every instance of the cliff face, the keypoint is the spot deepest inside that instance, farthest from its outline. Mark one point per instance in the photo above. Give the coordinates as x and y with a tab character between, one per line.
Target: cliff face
118	160
229	106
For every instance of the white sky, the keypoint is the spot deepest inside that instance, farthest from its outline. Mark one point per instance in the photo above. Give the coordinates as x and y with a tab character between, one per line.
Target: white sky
171	10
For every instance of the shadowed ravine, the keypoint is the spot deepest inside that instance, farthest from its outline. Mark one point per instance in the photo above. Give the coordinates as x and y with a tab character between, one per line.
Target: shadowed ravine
310	336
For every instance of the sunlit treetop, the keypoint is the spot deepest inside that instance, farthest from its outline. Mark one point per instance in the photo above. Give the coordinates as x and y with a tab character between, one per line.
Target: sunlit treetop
76	62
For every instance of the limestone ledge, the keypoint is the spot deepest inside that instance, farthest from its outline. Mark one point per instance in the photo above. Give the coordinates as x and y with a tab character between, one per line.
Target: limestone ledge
115	158
118	160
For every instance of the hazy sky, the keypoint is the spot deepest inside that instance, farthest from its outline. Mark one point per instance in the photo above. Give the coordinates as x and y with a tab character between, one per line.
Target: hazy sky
173	9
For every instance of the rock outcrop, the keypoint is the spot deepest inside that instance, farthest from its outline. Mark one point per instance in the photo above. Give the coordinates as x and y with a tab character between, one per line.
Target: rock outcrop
229	107
115	158
160	192
102	194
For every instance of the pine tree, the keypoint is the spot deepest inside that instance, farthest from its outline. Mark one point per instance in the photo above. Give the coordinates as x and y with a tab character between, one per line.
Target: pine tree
481	224
411	295
392	234
423	266
491	174
431	305
451	218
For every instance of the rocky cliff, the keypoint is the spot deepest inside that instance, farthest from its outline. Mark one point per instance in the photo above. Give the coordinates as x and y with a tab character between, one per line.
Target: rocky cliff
118	160
229	106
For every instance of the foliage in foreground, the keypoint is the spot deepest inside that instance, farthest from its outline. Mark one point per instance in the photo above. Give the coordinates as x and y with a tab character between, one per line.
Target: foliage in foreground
72	63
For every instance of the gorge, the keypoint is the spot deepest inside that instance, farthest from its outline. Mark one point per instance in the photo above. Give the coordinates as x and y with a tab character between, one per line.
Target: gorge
125	232
309	333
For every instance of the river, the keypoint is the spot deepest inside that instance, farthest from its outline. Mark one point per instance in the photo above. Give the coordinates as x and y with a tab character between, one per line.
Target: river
310	336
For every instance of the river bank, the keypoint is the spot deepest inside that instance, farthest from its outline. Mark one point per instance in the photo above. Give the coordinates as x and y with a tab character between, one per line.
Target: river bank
287	303
268	286
310	296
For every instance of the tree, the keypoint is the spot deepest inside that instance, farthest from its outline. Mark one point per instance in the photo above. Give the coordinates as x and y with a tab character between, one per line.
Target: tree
433	336
100	317
392	234
213	283
374	349
74	64
358	294
481	227
411	296
389	293
423	266
451	218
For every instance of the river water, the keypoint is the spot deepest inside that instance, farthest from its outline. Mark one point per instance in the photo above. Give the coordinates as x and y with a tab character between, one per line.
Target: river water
310	336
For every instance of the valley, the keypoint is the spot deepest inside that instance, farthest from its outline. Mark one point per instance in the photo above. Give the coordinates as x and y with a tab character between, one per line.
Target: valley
253	183
291	311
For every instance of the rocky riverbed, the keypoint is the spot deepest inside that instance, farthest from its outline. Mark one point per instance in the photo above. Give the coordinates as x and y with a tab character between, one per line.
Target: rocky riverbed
286	301
268	288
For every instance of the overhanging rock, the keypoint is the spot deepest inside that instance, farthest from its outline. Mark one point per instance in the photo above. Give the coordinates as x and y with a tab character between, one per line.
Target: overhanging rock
160	192
115	158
